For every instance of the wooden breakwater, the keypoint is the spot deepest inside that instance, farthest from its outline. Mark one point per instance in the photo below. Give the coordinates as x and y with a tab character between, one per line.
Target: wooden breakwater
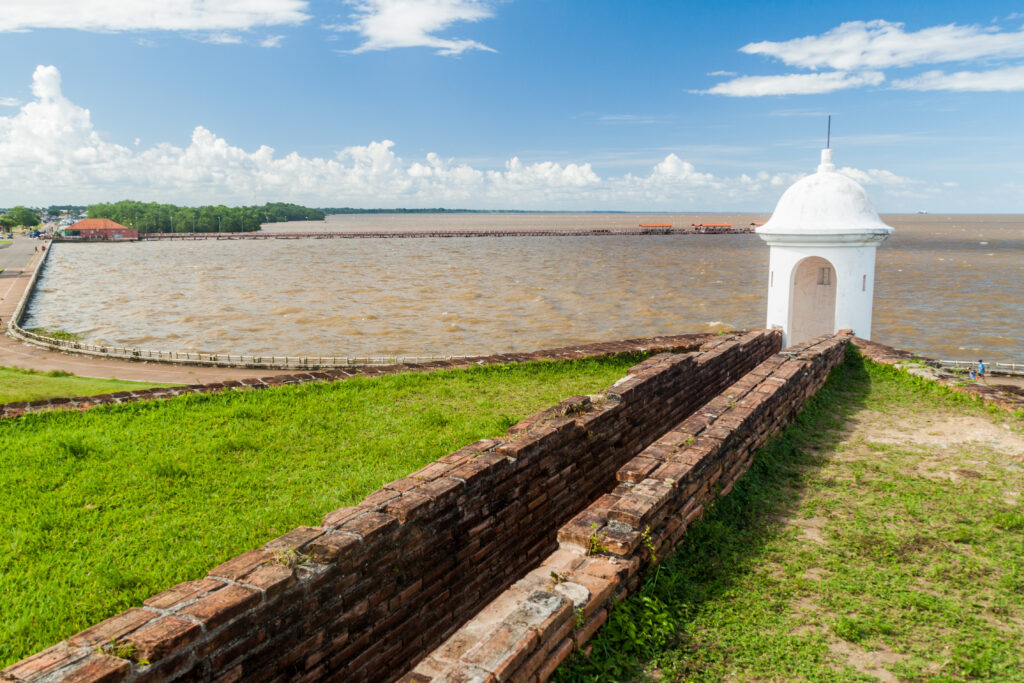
582	232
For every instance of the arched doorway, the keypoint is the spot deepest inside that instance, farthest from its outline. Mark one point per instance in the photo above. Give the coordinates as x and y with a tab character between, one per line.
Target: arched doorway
812	299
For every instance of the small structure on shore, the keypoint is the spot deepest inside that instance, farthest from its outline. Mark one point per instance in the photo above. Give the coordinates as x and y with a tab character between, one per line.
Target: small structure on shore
98	229
822	236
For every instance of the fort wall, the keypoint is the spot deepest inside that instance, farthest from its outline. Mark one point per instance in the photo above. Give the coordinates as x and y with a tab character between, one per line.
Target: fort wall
378	586
603	551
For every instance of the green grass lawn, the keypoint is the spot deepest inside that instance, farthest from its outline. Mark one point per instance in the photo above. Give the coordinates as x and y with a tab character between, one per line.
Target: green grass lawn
881	536
99	510
17	384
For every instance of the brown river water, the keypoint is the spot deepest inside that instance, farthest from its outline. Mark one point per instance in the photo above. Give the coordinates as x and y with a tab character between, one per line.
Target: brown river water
950	286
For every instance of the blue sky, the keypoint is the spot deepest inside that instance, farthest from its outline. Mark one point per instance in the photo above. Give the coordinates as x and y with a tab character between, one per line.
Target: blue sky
665	106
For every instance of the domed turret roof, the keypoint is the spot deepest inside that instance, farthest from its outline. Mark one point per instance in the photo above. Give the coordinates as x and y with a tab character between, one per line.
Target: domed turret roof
822	203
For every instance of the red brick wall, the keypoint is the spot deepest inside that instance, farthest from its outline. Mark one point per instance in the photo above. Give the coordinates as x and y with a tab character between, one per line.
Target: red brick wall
530	628
377	586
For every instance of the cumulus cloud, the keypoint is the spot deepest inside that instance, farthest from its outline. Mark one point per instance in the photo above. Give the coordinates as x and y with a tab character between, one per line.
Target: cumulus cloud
166	15
272	41
1010	79
855	52
388	24
10	102
53	154
795	84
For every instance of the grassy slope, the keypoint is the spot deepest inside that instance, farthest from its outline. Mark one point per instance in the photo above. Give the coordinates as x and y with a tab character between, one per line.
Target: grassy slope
869	540
99	510
25	385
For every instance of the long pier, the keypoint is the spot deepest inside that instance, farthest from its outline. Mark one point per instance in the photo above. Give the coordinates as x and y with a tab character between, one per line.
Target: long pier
414	234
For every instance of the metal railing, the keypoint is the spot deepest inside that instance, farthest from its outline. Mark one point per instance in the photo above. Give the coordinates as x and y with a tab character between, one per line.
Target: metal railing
990	368
196	358
413	234
223	359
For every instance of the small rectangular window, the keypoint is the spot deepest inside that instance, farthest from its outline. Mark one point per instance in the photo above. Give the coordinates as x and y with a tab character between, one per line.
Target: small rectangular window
825	276
864	283
771	279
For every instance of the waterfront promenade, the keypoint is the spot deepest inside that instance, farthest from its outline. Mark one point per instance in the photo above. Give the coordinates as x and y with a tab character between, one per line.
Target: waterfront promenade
19	261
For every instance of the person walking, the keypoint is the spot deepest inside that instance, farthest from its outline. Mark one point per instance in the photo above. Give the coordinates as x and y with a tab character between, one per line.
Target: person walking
981	370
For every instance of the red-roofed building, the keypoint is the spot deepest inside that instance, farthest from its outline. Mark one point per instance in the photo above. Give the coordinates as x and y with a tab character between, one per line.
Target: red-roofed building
99	229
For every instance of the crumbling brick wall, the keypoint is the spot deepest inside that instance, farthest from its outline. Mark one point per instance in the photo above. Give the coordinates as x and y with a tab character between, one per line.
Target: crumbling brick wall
375	587
526	632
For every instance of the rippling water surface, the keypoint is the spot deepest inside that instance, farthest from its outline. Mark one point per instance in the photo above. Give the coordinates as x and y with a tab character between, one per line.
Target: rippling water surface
947	286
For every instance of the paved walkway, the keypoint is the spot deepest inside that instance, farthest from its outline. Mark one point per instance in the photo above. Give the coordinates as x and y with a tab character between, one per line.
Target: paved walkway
19	262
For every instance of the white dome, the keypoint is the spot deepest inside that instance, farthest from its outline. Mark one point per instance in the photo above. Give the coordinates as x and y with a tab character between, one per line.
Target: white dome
823	203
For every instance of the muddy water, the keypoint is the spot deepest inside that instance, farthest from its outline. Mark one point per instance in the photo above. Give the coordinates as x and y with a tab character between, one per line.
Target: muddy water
947	286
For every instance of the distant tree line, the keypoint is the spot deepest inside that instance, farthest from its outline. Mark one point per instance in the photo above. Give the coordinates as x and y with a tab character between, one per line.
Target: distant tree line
19	216
348	209
153	217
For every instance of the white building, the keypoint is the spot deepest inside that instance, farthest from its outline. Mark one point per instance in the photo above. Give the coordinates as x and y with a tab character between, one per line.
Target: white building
822	237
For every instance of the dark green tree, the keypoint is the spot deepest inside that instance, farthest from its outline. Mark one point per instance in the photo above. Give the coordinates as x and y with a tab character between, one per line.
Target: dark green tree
24	217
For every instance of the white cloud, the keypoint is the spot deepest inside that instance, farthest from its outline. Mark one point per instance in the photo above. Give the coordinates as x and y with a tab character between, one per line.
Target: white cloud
166	15
795	84
875	176
721	73
855	52
223	38
388	24
10	102
272	41
1010	79
53	154
880	44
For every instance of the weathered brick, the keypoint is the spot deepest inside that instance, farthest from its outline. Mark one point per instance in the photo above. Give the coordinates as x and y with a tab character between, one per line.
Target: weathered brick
439	490
332	546
112	628
183	592
408	505
337	518
49	661
273	579
98	668
221	606
379	499
557	656
294	540
239	566
637	469
370	526
156	640
502	650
